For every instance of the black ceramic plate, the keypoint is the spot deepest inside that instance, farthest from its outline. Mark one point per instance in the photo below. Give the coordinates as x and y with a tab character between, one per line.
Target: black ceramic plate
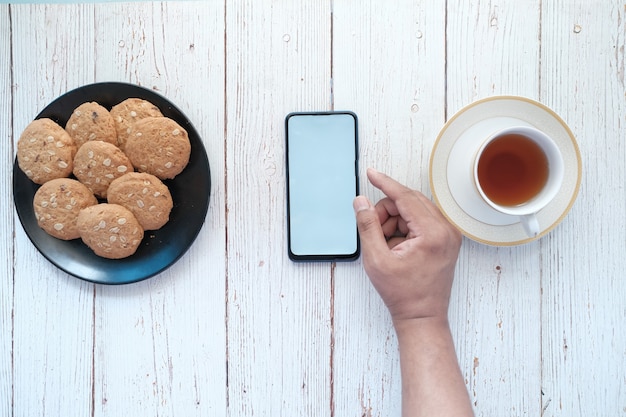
160	248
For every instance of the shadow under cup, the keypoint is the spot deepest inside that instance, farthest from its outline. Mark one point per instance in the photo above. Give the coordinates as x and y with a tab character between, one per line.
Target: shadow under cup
518	171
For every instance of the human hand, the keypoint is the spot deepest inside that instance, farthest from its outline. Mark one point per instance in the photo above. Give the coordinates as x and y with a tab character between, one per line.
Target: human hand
409	250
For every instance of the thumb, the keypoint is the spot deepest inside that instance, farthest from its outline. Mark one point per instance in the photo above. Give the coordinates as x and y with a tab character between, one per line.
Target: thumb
370	230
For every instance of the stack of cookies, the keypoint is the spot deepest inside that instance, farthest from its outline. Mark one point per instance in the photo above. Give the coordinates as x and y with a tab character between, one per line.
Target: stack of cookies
102	175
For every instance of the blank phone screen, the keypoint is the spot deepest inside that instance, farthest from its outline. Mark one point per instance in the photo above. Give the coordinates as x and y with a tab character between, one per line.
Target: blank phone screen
322	183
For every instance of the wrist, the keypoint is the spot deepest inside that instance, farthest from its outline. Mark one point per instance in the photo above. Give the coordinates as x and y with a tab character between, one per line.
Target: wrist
431	325
432	383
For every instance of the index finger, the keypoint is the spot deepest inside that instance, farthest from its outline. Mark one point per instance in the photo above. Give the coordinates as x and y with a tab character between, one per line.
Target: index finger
398	192
392	188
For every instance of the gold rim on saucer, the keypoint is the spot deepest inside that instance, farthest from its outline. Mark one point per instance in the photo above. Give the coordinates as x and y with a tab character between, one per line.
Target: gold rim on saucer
533	113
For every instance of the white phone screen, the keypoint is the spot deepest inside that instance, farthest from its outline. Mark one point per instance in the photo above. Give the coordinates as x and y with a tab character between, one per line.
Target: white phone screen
322	182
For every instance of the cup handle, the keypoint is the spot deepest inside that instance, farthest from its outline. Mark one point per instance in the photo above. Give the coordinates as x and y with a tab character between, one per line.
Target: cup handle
530	224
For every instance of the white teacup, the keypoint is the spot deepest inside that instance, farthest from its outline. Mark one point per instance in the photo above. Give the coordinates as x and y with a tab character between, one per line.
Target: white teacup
517	171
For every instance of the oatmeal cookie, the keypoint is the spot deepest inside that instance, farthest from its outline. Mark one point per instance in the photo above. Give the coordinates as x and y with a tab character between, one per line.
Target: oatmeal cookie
45	151
145	196
129	112
90	121
98	163
110	230
159	146
57	204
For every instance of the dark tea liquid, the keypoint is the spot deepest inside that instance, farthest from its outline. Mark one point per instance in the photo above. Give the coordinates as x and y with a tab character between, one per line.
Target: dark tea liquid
512	170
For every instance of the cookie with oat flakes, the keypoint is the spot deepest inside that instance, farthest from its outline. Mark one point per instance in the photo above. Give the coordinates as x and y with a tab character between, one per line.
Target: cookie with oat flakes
145	196
98	163
45	151
110	230
129	112
57	203
91	121
159	146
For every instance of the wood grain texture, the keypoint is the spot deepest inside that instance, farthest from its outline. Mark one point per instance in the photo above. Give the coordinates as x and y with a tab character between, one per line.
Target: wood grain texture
164	338
388	66
52	335
6	218
151	344
493	48
584	291
234	328
279	334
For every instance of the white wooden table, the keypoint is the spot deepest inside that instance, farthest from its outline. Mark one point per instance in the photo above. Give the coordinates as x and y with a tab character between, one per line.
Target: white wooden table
234	328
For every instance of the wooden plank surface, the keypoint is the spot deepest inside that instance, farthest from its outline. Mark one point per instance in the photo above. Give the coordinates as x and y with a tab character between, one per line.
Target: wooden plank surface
155	337
52	312
165	337
234	328
584	290
278	314
381	51
6	217
492	48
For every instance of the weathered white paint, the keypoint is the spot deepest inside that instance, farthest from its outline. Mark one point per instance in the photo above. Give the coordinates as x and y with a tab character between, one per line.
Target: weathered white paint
236	329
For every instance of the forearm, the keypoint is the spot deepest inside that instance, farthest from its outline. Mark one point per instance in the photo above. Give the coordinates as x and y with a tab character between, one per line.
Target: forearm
432	384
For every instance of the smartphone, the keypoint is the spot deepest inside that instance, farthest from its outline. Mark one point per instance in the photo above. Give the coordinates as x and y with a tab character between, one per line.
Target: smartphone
322	182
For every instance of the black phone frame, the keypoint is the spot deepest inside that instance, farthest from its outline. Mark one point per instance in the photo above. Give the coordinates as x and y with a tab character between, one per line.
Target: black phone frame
325	257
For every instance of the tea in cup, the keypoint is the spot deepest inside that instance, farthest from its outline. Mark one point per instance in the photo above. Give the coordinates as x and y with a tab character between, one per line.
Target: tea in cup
518	171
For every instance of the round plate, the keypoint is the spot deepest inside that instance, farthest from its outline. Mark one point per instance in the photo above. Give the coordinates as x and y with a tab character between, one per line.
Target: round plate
504	230
160	248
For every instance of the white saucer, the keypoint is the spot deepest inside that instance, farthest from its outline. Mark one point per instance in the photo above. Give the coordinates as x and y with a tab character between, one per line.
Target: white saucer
456	195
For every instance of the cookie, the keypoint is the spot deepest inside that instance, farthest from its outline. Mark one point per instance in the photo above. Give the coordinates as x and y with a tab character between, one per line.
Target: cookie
159	146
98	163
45	151
57	204
110	230
145	196
90	121
127	113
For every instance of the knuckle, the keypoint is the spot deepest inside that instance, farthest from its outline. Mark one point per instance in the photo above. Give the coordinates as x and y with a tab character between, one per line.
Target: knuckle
443	239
